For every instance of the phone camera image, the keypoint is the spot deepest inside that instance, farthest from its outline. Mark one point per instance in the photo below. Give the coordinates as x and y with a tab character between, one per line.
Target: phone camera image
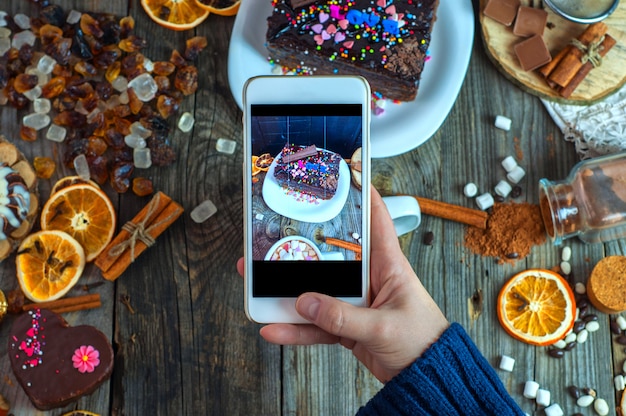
307	215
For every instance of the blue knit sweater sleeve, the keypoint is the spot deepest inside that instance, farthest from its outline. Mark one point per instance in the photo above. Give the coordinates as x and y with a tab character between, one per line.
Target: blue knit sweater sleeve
451	378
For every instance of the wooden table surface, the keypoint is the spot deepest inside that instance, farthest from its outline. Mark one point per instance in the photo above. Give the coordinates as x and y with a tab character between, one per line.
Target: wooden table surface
186	346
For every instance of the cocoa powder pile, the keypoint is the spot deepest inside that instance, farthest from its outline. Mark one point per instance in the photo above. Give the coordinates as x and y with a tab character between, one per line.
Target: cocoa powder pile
512	230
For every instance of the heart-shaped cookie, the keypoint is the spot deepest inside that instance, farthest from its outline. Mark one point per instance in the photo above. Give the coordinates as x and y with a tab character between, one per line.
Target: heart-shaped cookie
56	363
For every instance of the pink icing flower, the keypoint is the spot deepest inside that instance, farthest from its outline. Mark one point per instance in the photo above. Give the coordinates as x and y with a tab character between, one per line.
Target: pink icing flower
86	359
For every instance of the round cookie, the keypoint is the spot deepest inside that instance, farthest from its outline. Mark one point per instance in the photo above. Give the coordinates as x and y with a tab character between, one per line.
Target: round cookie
19	200
606	286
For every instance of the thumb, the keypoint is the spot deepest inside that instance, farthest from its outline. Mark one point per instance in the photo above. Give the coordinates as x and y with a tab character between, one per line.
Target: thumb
335	316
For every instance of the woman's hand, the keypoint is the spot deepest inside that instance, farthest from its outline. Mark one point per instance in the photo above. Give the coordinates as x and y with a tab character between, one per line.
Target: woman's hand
401	323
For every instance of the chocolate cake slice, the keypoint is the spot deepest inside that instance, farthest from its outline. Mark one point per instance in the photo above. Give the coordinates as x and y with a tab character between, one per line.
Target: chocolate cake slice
384	41
308	169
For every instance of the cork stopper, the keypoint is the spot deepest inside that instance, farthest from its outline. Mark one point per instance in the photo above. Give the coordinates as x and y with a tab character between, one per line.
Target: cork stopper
606	286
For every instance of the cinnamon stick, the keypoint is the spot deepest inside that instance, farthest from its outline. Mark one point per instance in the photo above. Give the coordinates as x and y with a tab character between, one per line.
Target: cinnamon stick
567	91
572	61
113	264
77	303
547	69
147	216
464	215
343	244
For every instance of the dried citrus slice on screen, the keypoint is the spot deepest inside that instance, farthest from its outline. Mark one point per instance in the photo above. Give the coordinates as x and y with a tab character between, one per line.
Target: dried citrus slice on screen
264	161
84	212
255	168
49	263
71	180
537	306
221	7
175	14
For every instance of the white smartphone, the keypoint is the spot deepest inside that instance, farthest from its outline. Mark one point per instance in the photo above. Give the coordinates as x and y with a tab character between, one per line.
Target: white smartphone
306	192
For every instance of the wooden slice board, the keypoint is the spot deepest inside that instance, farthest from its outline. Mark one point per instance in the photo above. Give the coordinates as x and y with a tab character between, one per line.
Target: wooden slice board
601	81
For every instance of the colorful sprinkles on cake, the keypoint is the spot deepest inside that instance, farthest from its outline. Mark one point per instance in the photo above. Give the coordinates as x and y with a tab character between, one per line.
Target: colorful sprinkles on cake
300	167
340	22
33	342
354	31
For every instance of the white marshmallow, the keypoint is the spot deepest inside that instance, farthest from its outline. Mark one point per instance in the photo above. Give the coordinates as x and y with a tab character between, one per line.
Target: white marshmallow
503	122
470	190
530	389
485	201
507	363
543	397
509	163
503	189
516	174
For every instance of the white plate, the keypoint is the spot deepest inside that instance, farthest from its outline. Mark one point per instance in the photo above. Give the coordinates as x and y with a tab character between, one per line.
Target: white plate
276	197
402	127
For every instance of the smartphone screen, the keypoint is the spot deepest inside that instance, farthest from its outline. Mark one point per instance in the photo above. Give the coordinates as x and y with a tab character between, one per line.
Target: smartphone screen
307	216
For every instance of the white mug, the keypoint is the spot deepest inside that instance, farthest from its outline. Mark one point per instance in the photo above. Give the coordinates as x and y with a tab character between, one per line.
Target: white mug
405	213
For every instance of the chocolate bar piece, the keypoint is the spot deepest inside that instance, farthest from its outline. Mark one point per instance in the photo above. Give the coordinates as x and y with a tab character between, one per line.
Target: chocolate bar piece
502	11
532	53
530	21
300	154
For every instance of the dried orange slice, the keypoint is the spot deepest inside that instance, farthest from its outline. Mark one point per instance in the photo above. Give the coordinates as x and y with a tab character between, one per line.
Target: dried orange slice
263	162
221	7
175	14
70	180
537	306
49	263
84	212
255	168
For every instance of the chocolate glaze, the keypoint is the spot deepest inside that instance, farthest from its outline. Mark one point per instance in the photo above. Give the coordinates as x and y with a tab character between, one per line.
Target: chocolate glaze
49	378
388	49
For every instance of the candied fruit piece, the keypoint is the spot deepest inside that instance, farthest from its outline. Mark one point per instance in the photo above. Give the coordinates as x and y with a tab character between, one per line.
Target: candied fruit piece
61	71
122	125
163	68
195	45
26	54
96	146
60	50
113	71
132	44
186	80
16	99
120	176
107	56
177	59
122	110
90	26
98	169
127	24
114	138
162	154
53	14
167	106
49	33
79	88
111	32
70	118
28	134
44	167
132	65
134	102
85	69
142	186
53	88
80	46
25	82
163	83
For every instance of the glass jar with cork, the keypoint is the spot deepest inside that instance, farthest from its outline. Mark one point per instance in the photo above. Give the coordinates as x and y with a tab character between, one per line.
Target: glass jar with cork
589	204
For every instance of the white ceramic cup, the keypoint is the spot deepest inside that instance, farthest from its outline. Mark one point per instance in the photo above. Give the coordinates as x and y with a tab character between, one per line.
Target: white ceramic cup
405	213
